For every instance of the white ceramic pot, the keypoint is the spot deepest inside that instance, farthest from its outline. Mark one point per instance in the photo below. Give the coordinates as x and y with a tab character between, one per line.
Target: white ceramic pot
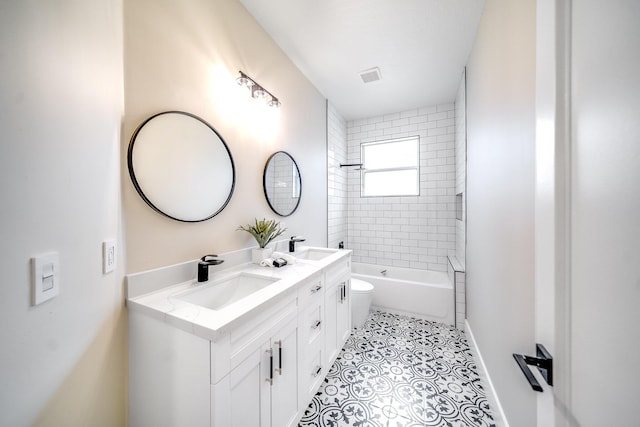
257	255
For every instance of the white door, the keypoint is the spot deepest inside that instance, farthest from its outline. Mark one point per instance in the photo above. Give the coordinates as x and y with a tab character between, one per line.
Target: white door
588	210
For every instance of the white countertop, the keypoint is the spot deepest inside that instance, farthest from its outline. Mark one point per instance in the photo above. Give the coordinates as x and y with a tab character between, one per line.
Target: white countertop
167	283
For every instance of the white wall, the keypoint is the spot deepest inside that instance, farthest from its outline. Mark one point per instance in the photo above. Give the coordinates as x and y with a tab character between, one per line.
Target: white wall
62	363
336	176
186	56
414	232
500	154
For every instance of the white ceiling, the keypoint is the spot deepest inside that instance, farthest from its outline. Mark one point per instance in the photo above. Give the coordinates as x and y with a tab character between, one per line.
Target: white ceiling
420	47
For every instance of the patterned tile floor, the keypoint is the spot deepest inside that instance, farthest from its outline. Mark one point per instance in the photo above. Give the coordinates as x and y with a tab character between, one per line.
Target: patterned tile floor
397	371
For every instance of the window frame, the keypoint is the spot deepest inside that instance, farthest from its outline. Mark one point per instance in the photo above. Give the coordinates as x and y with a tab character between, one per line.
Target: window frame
364	170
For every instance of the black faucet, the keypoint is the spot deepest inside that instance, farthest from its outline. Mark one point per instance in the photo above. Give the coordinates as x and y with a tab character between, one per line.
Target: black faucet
203	266
292	242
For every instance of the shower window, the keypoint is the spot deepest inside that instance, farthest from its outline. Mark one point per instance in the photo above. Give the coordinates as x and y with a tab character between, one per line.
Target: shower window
391	167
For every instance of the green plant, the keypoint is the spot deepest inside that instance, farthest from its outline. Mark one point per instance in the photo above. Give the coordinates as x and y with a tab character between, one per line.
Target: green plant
263	231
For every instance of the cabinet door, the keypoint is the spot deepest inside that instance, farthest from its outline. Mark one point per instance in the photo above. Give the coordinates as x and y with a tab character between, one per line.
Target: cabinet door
284	389
331	318
343	322
248	391
337	308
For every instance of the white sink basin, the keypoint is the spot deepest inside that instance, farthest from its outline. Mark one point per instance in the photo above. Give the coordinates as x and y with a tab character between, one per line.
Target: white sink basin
314	254
219	294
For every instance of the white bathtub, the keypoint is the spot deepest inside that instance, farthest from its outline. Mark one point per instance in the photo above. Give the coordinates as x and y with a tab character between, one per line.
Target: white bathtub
424	294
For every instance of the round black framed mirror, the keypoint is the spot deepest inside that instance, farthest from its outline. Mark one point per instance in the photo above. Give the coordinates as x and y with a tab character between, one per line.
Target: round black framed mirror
181	166
282	183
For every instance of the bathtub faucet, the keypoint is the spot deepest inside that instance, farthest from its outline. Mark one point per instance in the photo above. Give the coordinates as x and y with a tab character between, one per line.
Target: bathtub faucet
383	272
292	242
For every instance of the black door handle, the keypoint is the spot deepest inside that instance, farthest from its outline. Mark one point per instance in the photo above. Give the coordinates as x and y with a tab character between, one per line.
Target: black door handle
543	361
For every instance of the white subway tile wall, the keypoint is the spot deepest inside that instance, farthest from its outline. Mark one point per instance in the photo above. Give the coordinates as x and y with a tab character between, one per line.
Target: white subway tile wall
337	177
417	231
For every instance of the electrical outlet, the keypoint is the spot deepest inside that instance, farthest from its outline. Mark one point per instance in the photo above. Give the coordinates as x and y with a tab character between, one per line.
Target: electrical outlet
108	256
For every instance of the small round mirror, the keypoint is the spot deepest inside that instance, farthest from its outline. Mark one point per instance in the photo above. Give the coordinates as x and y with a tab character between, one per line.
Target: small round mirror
181	167
282	183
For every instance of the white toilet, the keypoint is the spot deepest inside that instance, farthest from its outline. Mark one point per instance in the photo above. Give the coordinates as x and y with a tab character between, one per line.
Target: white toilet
361	297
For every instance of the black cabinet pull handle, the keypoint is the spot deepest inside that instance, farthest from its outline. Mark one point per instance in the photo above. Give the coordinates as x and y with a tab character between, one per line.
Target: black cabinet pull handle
316	288
279	370
316	325
270	379
543	361
317	372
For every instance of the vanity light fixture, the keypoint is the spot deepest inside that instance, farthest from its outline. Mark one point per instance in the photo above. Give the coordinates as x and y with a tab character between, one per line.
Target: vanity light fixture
257	91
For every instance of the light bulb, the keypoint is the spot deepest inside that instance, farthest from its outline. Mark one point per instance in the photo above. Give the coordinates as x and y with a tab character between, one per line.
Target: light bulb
244	81
258	92
273	102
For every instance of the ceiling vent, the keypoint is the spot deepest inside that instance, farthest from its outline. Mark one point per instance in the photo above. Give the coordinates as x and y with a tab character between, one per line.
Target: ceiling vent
370	75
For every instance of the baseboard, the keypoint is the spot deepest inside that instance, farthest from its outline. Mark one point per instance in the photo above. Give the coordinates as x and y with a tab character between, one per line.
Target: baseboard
492	397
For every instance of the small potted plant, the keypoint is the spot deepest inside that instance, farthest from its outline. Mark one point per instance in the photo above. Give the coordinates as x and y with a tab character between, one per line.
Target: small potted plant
264	231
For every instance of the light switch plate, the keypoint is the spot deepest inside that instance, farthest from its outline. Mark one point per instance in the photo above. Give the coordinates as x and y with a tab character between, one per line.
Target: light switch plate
45	277
109	256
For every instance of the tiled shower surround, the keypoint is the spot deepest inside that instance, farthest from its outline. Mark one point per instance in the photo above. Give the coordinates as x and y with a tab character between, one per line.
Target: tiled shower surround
416	231
401	371
419	232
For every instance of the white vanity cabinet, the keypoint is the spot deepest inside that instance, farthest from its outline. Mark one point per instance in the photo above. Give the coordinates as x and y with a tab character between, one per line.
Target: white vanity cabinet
337	308
247	376
192	366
